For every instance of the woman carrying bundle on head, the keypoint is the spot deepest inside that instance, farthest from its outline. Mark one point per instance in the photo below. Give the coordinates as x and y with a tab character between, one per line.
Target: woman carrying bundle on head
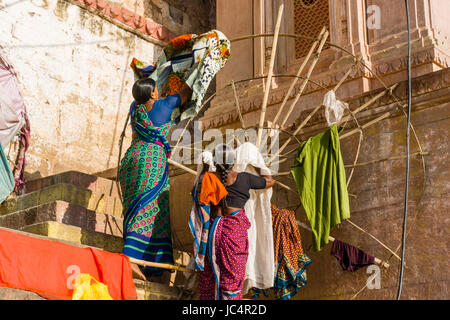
224	192
144	177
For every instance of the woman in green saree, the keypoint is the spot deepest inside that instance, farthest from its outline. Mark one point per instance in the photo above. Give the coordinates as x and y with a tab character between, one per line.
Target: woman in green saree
144	177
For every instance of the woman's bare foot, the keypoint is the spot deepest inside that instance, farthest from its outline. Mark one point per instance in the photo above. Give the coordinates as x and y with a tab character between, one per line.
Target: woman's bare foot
137	273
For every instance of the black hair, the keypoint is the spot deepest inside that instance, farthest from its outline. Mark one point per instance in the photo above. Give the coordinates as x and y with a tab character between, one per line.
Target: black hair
223	160
142	90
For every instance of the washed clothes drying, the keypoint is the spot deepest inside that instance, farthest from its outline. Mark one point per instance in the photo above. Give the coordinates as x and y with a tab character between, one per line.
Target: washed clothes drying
319	174
12	107
290	259
6	177
13	118
191	59
350	258
260	265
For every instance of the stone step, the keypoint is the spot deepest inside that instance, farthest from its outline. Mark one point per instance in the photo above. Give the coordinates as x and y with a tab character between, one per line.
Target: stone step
100	203
65	213
82	180
145	290
17	294
77	235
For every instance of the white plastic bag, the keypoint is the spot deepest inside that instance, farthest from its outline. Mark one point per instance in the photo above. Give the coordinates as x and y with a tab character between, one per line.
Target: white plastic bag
334	109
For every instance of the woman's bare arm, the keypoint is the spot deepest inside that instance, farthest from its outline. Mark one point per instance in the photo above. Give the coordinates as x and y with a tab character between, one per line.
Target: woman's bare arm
270	182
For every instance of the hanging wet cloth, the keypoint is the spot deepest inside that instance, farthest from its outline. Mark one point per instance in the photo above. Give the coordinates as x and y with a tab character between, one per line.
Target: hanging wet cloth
6	177
350	258
13	118
260	264
191	59
290	259
319	174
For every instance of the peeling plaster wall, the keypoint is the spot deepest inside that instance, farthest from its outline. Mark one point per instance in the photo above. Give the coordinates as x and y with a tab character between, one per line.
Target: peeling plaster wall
73	69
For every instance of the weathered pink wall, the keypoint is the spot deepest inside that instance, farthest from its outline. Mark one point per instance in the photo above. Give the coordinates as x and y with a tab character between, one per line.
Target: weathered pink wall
234	19
378	208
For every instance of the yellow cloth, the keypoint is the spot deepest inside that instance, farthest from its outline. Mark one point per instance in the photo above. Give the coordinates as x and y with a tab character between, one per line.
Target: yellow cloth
85	290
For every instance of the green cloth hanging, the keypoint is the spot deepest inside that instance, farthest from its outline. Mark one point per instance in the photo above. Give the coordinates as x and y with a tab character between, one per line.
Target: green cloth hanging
319	174
6	177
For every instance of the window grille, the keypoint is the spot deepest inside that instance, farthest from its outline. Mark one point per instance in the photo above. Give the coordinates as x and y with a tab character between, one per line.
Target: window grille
309	18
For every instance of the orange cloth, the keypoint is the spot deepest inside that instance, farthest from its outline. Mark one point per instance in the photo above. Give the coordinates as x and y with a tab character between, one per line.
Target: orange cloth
48	267
212	189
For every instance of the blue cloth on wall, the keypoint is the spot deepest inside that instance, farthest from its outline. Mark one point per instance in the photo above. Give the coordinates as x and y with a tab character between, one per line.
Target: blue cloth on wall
6	177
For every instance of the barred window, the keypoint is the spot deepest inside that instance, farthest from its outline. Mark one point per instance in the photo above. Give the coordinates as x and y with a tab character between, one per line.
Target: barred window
310	16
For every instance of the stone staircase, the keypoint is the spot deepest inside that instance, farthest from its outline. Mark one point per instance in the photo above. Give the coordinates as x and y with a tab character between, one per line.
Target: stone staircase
82	210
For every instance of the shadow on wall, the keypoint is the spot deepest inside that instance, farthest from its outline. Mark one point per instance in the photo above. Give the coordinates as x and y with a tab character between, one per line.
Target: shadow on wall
32	176
173	14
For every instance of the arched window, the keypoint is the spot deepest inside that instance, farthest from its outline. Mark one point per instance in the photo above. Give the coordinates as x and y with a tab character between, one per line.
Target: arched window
310	16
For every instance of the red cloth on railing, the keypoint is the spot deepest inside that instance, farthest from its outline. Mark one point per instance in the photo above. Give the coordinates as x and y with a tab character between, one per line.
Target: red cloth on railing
49	267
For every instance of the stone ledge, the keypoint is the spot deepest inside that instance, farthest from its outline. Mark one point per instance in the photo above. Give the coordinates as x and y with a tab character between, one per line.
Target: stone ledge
217	119
17	294
59	231
100	203
83	180
65	213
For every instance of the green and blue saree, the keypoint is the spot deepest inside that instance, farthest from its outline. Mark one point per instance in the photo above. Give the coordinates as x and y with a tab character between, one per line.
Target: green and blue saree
144	180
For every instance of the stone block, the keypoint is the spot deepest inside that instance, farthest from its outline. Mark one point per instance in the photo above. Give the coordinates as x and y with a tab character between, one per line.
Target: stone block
65	192
67	213
76	235
156	291
17	294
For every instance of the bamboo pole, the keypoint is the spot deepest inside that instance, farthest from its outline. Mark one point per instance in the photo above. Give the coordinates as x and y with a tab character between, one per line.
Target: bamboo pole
368	124
346	75
330	238
368	103
238	108
297	77
356	157
160	265
365	105
190	120
285	186
305	82
361	229
179	165
300	70
269	76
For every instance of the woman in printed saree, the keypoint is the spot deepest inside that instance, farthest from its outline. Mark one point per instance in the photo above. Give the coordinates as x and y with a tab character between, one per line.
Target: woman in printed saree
144	177
224	264
166	93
